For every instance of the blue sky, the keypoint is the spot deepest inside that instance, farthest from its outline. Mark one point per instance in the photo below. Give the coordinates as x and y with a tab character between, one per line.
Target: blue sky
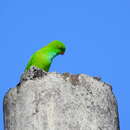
96	33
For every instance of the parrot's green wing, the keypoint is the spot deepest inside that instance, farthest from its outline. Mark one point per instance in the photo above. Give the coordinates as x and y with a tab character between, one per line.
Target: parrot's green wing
39	60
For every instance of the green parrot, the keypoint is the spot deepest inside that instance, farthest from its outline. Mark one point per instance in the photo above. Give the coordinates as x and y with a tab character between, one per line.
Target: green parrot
43	58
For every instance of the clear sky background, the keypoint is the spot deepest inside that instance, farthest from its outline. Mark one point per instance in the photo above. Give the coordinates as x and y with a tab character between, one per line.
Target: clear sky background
96	33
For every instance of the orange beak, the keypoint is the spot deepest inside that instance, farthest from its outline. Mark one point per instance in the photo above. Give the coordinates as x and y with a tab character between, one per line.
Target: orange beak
62	53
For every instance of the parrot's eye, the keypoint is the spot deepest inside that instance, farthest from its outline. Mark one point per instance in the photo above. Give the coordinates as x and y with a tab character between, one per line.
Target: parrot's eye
63	49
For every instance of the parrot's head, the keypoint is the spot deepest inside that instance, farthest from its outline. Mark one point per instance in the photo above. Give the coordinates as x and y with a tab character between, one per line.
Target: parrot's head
57	46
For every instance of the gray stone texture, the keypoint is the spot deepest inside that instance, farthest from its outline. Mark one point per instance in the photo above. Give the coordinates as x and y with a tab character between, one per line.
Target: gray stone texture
53	101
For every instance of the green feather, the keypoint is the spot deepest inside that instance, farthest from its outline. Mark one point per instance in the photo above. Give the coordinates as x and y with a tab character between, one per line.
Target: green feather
43	58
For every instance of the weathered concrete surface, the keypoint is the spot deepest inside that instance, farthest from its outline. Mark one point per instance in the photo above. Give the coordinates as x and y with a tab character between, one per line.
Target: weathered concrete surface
53	101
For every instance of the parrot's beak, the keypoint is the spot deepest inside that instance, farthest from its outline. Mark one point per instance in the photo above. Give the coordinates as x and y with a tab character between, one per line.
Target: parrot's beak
62	53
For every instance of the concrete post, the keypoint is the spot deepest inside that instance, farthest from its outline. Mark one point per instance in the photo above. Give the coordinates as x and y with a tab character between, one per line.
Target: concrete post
53	101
